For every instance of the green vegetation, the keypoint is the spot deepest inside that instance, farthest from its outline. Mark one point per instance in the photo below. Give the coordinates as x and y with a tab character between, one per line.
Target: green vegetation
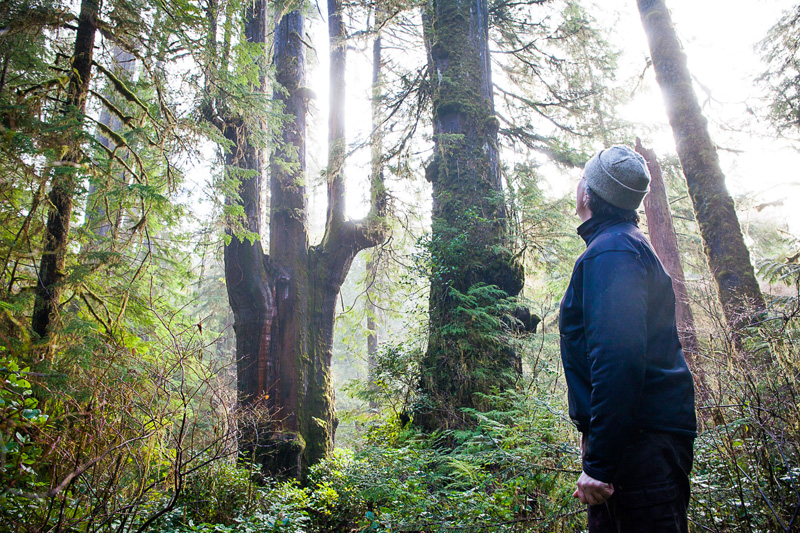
125	415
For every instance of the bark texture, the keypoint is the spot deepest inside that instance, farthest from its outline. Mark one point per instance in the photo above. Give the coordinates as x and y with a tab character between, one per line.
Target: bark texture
65	177
665	243
724	244
267	386
469	244
376	170
284	304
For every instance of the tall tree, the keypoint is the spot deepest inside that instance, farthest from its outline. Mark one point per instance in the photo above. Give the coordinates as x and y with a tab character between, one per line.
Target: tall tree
284	304
725	249
75	157
65	175
473	271
376	170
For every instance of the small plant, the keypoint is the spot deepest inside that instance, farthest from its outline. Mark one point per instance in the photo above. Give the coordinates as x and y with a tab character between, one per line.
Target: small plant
20	451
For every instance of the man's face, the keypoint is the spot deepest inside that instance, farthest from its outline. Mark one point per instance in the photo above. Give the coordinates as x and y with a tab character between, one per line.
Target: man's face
581	201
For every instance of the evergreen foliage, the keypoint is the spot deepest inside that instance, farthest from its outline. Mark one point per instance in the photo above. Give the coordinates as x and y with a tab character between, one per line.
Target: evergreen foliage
124	417
780	50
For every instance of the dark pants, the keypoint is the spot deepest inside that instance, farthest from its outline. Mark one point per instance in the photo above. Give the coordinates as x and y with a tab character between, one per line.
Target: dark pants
651	487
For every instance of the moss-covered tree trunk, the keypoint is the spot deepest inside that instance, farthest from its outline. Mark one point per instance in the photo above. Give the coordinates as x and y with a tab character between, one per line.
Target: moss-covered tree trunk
466	356
285	303
376	169
65	176
725	249
330	260
267	388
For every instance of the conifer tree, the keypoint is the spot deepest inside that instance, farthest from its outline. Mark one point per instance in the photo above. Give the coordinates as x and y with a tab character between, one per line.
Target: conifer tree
65	176
284	303
727	254
473	270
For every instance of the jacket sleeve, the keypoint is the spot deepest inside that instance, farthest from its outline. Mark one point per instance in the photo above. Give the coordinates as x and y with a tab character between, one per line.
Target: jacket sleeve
615	323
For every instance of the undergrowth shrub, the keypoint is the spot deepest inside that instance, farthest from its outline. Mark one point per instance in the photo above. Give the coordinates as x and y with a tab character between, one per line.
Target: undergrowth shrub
746	475
217	494
103	435
248	507
20	451
747	462
513	472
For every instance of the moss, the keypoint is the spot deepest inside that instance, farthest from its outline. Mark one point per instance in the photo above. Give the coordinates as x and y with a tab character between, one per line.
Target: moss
468	356
492	124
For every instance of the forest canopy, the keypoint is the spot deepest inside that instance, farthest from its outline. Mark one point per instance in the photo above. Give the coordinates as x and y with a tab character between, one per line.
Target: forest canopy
296	266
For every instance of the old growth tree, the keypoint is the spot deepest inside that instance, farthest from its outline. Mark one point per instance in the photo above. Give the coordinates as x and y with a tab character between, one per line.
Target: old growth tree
284	302
473	271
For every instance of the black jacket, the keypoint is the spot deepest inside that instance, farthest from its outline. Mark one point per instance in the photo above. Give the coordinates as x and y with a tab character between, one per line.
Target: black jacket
622	359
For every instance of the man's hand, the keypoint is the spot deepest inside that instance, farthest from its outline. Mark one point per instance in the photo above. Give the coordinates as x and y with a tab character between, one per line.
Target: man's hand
591	491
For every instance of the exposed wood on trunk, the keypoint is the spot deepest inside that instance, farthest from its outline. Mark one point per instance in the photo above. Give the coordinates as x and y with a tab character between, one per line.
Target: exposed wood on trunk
65	178
284	305
725	249
469	245
665	243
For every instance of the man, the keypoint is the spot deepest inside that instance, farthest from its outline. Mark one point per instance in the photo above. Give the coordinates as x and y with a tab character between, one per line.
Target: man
631	394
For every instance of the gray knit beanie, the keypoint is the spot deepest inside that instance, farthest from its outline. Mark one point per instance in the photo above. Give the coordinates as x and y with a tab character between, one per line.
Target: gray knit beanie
619	176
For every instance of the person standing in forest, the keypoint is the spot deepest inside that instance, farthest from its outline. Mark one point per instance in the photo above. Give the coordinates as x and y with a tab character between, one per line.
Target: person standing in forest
631	394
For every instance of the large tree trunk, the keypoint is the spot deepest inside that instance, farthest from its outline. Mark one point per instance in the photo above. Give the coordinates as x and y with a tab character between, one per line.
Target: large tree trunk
285	306
289	234
469	248
665	243
376	170
65	177
267	387
330	261
727	254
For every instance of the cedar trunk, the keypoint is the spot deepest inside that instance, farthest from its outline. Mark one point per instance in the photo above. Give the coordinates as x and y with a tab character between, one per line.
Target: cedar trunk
469	243
267	385
65	177
665	243
724	244
284	305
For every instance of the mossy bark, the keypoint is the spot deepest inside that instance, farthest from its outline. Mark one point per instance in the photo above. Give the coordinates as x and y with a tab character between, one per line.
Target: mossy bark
259	292
469	241
287	301
725	249
65	177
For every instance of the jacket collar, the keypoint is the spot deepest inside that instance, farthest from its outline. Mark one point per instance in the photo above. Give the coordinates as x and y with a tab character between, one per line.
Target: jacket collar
596	225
